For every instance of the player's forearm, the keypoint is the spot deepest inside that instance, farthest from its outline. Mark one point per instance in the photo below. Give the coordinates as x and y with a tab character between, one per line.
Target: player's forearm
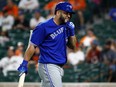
29	52
73	42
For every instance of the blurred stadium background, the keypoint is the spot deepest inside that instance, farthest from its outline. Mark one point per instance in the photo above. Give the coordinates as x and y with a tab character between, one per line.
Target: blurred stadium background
95	15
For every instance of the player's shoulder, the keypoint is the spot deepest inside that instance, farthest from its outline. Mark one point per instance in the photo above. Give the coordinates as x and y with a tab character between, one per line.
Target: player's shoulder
45	23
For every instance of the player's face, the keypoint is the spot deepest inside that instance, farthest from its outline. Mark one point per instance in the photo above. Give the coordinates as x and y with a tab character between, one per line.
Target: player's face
65	16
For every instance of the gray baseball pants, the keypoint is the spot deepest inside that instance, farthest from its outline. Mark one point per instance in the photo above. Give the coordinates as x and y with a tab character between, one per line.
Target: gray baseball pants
51	75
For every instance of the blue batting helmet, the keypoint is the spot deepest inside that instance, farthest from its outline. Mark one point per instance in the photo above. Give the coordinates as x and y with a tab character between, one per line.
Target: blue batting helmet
65	6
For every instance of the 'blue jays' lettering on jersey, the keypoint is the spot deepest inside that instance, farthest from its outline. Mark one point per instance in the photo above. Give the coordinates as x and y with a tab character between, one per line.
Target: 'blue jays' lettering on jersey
51	39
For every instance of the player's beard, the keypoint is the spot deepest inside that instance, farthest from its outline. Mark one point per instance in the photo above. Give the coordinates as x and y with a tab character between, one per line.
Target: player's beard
63	20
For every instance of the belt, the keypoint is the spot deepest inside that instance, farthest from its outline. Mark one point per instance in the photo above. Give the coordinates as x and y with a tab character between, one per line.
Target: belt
60	65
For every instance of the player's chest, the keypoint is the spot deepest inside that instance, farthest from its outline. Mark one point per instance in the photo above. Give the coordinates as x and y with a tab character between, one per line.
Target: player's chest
58	33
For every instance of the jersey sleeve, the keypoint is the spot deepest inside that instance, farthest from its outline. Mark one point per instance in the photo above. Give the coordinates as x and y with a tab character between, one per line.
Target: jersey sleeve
38	35
71	28
70	32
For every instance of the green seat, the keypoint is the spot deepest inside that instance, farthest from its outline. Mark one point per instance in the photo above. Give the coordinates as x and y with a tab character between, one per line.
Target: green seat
13	76
3	53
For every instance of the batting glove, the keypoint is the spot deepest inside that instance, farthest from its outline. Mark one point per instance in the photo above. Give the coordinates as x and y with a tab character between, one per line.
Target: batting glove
71	27
23	67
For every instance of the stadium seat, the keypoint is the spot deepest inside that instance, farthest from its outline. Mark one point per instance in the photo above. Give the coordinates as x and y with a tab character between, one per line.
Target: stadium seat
13	76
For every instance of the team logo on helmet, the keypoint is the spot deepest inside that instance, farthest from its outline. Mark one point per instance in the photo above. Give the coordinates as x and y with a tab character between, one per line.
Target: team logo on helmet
69	6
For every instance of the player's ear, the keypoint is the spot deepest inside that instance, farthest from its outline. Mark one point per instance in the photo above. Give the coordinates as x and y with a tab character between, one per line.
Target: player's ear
58	12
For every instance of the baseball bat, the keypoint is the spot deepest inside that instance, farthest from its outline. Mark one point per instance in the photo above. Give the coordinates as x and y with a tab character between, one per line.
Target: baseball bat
21	80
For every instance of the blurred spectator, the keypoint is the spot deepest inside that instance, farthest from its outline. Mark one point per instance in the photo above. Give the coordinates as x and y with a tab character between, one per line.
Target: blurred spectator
112	14
19	49
96	1
95	7
112	71
50	7
107	4
4	38
75	58
1	18
36	19
21	22
11	8
7	21
28	5
79	6
85	41
93	53
3	3
51	4
114	45
50	14
35	58
108	57
10	62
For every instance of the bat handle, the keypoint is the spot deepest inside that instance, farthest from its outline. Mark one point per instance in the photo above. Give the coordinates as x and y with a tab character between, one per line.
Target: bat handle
21	80
21	74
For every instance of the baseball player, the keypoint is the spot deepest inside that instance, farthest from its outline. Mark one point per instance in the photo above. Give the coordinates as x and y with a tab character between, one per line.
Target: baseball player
51	38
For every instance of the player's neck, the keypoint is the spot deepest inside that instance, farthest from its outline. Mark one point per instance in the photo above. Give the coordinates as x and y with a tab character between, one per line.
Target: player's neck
56	21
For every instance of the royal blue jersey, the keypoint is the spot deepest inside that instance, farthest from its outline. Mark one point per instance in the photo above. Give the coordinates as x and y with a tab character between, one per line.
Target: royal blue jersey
52	40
